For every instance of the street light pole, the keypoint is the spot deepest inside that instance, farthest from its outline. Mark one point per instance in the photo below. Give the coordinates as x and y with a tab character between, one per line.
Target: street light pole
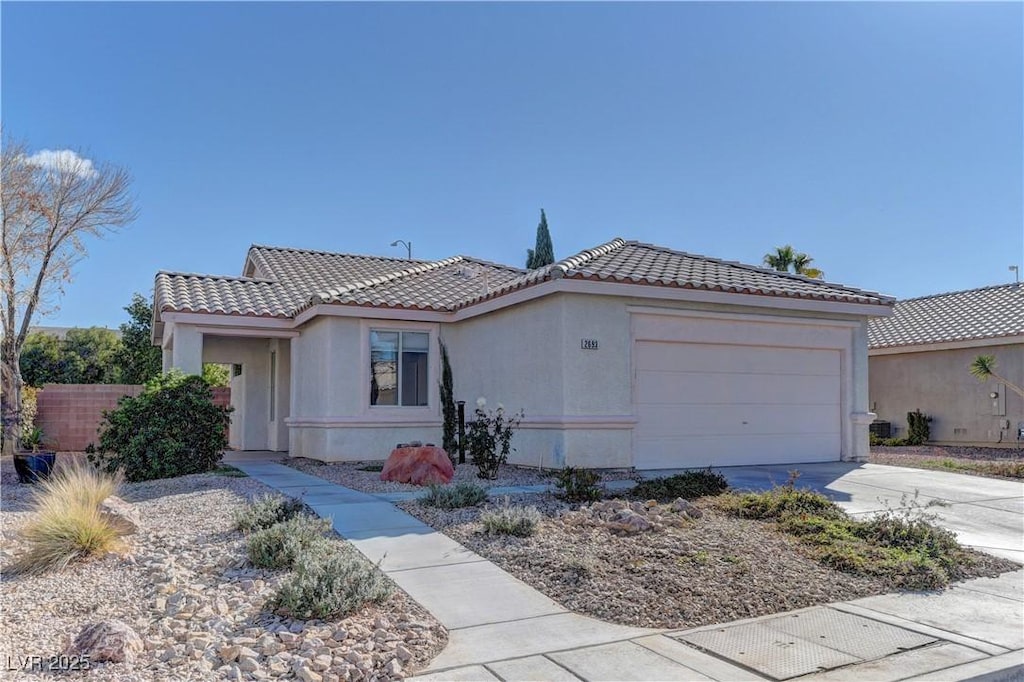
407	245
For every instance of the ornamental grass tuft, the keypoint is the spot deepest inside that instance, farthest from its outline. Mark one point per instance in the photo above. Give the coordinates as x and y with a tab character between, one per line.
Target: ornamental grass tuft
67	525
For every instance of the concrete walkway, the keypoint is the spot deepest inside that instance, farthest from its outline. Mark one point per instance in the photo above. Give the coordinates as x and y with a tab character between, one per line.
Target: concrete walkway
502	629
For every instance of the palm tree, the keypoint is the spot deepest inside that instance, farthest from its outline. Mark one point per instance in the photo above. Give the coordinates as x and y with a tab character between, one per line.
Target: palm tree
984	368
785	257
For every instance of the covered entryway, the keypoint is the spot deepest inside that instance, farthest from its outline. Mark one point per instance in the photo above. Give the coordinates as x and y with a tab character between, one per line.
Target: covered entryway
736	401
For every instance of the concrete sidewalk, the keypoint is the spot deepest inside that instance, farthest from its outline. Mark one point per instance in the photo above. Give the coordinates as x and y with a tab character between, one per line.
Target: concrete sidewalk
502	629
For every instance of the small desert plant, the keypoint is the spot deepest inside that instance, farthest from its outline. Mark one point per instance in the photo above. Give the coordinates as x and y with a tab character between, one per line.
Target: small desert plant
330	585
265	511
688	485
918	431
489	438
578	484
66	524
454	496
511	520
281	545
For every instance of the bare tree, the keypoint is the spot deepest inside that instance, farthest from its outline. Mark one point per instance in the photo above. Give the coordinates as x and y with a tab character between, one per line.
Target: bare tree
51	202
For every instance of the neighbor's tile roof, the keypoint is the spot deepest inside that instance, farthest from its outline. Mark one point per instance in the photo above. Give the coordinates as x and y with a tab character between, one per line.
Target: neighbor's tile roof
985	313
295	279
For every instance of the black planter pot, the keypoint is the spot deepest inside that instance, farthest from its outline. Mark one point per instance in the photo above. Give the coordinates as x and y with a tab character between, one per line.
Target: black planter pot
34	466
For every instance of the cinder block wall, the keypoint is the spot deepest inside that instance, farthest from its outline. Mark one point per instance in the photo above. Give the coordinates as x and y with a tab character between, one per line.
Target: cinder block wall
70	414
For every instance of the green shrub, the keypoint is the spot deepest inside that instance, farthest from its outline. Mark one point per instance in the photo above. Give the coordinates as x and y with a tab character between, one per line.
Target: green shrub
281	545
454	496
918	431
578	484
330	585
688	485
507	520
489	438
264	511
781	502
903	547
171	429
66	524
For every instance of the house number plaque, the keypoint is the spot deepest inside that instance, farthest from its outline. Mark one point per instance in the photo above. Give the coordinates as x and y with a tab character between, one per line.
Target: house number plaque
588	344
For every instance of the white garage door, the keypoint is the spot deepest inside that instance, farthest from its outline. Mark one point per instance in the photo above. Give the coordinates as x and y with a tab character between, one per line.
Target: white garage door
703	404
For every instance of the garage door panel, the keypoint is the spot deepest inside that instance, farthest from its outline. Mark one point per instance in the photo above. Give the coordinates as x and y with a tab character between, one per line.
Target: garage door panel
696	357
699	452
703	403
743	420
706	388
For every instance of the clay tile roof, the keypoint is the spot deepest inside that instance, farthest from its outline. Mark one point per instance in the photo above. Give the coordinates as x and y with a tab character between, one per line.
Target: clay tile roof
292	280
986	313
647	264
188	292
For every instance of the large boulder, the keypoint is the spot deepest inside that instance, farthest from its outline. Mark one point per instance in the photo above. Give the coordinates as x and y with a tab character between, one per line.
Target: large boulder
122	515
107	640
419	465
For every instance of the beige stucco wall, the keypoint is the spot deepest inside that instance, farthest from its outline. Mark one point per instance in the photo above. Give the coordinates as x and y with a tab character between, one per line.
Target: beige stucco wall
331	418
940	385
250	428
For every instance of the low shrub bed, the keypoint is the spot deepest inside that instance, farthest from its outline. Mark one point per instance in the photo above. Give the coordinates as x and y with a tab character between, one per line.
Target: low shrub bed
519	521
904	547
328	578
688	485
454	496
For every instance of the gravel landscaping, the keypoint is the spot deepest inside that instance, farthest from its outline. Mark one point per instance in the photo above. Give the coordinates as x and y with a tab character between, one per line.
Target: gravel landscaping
978	461
354	475
185	587
681	573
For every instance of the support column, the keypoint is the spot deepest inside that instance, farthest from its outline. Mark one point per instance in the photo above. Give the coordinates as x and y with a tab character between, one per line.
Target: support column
860	417
187	353
168	360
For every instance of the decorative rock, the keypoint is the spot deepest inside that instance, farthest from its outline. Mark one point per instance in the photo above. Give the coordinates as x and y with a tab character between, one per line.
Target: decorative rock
108	640
307	675
229	653
120	514
402	653
393	667
248	664
686	508
423	465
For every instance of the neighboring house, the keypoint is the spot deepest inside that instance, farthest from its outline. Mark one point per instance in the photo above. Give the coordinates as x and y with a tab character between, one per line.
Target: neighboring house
920	359
626	354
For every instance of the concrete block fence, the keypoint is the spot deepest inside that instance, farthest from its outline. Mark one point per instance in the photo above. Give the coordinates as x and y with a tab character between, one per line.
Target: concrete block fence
70	414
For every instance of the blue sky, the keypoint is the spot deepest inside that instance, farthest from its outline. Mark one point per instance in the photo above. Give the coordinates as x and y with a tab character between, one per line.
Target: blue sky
883	139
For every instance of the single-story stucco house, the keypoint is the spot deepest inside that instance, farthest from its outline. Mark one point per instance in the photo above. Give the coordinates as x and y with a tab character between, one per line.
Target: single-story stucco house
919	359
627	354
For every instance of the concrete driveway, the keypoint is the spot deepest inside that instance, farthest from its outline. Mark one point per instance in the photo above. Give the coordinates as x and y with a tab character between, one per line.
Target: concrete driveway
985	513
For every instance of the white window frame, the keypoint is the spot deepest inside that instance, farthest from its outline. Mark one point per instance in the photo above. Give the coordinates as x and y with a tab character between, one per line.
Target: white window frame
432	408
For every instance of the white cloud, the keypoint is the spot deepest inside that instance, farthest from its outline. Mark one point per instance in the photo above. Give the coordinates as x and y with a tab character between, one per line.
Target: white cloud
62	159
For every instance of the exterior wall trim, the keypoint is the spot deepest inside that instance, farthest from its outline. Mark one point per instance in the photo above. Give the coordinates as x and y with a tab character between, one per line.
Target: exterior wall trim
787	320
949	345
206	319
249	332
384	422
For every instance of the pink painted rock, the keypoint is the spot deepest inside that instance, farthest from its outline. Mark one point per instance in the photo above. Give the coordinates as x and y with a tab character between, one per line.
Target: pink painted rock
422	465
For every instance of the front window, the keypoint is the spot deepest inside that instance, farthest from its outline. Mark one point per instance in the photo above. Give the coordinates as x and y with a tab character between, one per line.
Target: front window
398	368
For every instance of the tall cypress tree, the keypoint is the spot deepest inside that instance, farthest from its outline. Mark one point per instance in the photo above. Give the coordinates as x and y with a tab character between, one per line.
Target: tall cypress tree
543	252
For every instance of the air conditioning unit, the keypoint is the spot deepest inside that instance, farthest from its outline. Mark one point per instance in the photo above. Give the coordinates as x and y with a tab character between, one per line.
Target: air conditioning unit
880	429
